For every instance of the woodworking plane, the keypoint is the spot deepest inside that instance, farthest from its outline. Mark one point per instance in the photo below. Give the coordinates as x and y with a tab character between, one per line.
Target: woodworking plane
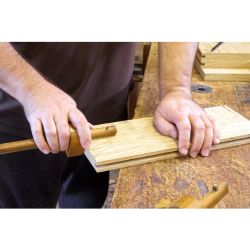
75	148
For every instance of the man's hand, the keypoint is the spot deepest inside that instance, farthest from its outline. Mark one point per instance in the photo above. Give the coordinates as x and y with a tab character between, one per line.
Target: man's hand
49	111
179	117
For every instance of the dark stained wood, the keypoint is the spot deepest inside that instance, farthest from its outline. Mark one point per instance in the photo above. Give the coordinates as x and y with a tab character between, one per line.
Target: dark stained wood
144	186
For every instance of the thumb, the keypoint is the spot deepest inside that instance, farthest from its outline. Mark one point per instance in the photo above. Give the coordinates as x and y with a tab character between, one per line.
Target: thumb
165	127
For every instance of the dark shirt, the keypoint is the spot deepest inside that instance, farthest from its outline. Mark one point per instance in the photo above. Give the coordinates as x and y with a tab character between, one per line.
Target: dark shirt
96	75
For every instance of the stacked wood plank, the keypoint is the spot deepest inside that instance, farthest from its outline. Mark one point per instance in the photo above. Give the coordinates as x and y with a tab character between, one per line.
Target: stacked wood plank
228	62
137	141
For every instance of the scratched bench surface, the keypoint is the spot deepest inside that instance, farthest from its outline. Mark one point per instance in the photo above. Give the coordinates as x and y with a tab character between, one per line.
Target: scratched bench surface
145	185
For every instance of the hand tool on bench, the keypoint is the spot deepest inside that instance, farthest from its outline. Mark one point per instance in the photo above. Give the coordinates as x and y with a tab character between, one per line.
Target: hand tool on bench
208	201
75	148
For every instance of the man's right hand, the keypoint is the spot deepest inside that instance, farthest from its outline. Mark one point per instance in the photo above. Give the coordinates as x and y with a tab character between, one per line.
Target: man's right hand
49	111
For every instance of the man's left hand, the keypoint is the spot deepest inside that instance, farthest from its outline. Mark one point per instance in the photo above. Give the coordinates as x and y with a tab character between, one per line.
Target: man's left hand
178	116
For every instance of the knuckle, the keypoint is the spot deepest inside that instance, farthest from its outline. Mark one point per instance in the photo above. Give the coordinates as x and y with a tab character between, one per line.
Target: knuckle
79	120
200	128
184	142
180	118
186	127
36	131
51	133
209	126
65	134
54	148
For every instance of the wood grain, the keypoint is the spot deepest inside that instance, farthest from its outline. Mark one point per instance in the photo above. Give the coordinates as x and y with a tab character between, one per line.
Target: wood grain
163	156
139	139
145	185
223	74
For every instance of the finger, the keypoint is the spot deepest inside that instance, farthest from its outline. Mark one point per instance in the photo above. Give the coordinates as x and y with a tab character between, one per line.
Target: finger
82	127
216	130
37	133
165	127
184	130
198	131
50	132
63	133
206	147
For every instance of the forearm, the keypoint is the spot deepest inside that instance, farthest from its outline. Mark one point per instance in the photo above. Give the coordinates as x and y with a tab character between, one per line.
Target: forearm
175	67
17	77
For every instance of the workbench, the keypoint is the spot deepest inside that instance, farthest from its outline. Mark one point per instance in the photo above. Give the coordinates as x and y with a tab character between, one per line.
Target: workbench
146	185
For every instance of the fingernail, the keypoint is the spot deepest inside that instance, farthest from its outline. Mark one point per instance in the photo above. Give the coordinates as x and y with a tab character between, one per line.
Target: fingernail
217	140
205	153
193	154
46	152
184	151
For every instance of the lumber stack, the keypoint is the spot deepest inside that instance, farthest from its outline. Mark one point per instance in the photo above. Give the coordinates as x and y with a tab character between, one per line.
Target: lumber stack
137	141
228	62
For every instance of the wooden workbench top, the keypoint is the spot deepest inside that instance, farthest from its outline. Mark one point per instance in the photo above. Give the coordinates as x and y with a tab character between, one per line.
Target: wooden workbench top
145	185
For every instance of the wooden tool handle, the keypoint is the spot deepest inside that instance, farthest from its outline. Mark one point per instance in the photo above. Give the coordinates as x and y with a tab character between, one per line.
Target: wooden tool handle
208	201
17	146
23	145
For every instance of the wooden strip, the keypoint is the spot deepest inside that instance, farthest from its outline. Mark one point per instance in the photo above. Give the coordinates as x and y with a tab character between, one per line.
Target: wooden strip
241	75
138	139
136	162
227	51
223	64
211	74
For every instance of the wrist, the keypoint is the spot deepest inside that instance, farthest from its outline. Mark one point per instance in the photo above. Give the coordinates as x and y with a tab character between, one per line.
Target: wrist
177	91
29	88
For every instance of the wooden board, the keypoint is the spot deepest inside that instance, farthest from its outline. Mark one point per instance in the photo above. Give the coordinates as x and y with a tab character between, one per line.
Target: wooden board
223	64
137	141
226	51
164	156
223	75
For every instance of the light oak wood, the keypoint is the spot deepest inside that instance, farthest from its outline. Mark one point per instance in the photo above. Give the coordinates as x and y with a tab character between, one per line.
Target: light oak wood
160	157
137	141
222	64
227	51
214	74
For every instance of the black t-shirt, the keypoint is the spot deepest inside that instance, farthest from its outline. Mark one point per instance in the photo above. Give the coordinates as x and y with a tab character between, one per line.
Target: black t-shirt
96	75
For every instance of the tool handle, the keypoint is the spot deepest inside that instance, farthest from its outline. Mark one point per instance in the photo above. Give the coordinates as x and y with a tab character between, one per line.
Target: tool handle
17	146
23	145
212	198
208	201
